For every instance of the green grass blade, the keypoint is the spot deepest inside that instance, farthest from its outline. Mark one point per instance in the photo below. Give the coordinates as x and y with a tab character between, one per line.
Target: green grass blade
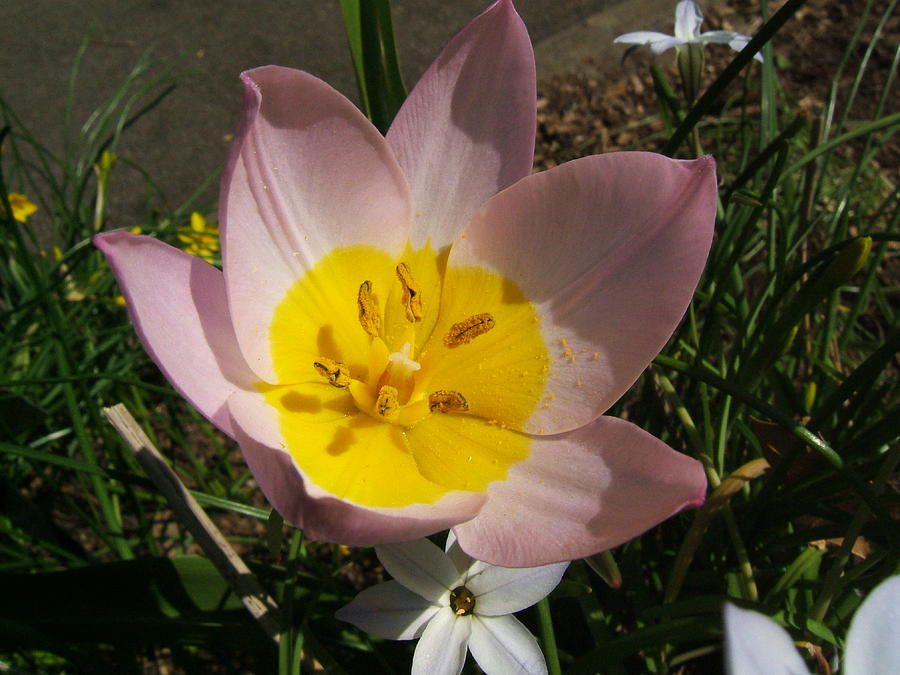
370	35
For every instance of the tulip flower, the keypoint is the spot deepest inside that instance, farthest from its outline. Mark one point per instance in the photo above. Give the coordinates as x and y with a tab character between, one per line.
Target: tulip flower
452	604
756	645
412	332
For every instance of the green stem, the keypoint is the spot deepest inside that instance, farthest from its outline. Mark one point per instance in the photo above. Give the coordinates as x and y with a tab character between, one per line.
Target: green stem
548	637
740	552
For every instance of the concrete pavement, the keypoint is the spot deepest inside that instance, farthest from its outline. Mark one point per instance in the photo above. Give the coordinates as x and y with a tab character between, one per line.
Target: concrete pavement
185	138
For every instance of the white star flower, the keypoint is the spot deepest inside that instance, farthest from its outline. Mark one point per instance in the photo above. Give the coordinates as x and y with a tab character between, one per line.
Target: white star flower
688	18
454	603
756	645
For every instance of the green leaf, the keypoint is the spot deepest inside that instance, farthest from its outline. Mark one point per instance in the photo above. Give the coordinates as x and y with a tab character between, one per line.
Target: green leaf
809	559
821	630
848	260
370	35
147	600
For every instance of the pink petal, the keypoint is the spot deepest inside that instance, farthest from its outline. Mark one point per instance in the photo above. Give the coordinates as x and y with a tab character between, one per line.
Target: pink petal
177	304
580	493
609	248
322	516
467	129
307	173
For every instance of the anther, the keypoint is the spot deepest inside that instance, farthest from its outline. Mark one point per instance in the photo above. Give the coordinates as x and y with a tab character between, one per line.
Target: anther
369	317
446	401
388	402
337	373
412	293
466	331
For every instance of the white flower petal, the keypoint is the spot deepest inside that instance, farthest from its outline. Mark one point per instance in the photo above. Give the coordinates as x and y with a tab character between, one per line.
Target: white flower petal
756	645
872	644
460	558
420	566
389	611
688	18
642	37
739	42
503	590
720	36
442	647
664	45
500	644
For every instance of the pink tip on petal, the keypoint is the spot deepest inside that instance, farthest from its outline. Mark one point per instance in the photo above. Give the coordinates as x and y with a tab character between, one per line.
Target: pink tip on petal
177	304
580	493
467	128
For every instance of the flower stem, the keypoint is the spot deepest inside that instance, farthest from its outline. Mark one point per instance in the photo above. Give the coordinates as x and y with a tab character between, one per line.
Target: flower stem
548	637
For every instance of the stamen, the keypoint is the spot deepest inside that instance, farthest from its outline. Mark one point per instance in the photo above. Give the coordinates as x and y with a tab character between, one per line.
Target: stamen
465	331
369	316
412	293
337	373
388	403
446	401
462	601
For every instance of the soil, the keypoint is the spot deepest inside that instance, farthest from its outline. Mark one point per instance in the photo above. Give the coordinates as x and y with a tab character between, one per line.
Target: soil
612	106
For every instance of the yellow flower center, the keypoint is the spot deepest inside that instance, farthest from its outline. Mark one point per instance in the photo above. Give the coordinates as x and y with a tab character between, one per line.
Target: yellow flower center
402	381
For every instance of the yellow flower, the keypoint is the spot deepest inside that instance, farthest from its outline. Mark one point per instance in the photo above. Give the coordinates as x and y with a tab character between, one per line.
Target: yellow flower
200	238
22	207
